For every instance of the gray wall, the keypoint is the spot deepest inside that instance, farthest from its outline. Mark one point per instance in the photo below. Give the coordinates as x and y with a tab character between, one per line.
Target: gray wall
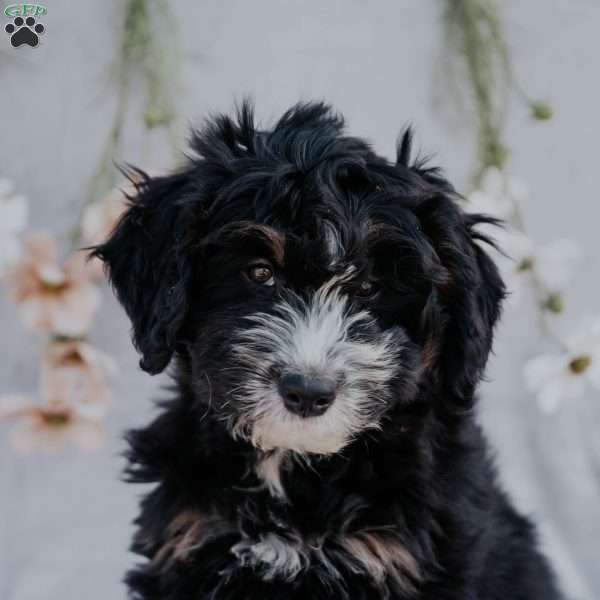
65	522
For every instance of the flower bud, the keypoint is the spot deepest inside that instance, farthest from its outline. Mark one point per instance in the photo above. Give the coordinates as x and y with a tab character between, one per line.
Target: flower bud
580	364
554	303
541	111
156	117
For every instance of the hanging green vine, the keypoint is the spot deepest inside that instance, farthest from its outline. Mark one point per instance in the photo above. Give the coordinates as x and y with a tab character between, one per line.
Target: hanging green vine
479	56
146	56
480	65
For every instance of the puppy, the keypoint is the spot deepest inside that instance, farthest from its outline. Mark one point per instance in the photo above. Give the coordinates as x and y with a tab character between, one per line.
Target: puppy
327	316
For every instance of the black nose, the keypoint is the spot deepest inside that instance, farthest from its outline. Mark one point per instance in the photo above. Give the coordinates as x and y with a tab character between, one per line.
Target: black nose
306	395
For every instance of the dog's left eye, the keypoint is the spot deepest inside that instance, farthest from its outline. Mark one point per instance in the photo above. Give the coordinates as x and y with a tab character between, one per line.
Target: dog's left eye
367	289
261	273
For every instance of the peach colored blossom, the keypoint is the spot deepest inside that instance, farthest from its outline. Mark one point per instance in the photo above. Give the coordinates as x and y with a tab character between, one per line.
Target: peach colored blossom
52	298
77	373
50	427
100	218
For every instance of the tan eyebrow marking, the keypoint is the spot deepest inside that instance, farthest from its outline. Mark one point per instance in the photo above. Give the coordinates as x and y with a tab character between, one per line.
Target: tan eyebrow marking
275	239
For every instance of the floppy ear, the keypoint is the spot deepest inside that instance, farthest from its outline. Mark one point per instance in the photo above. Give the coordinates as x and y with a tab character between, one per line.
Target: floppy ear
469	296
148	265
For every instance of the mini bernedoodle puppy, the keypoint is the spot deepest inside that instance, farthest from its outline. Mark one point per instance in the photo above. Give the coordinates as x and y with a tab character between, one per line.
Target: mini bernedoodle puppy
327	315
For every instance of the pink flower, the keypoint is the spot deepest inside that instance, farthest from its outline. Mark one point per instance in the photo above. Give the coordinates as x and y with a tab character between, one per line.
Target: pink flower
52	298
77	373
100	218
50	427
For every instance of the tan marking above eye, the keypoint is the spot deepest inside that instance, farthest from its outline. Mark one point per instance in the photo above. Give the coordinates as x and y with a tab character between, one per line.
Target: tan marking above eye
275	238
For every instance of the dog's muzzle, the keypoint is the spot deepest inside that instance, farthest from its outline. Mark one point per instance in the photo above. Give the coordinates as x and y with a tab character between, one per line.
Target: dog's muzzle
313	374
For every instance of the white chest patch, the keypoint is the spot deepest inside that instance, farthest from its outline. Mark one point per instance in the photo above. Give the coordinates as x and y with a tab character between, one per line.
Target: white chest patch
269	469
272	556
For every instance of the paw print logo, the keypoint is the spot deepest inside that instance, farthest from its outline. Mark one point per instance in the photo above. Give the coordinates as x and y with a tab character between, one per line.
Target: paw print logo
24	31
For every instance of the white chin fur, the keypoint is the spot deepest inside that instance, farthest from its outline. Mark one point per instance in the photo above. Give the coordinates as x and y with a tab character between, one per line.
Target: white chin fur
278	429
316	435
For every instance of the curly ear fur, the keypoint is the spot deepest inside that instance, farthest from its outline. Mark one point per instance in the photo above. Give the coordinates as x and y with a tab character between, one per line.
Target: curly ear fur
465	303
471	296
148	266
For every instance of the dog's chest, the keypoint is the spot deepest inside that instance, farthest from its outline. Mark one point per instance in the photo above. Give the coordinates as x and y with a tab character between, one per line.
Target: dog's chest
287	524
302	521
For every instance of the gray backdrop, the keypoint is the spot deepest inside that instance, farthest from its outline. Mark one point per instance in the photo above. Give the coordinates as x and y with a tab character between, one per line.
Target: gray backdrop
65	522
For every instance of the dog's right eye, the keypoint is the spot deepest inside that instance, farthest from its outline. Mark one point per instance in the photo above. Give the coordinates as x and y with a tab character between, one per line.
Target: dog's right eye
261	273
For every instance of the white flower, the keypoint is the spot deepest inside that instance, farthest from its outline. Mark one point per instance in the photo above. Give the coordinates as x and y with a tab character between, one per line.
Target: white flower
13	219
497	194
554	377
553	263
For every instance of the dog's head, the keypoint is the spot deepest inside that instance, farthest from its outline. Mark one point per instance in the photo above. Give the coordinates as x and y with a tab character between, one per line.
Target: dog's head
307	286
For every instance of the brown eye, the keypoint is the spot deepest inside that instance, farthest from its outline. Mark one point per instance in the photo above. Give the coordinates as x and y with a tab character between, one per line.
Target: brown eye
262	274
367	289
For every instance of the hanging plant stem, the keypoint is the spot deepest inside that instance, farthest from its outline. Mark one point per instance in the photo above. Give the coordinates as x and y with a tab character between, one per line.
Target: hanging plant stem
479	54
144	55
480	64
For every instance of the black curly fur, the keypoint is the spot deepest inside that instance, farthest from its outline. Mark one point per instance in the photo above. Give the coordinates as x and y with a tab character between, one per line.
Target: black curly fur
420	493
